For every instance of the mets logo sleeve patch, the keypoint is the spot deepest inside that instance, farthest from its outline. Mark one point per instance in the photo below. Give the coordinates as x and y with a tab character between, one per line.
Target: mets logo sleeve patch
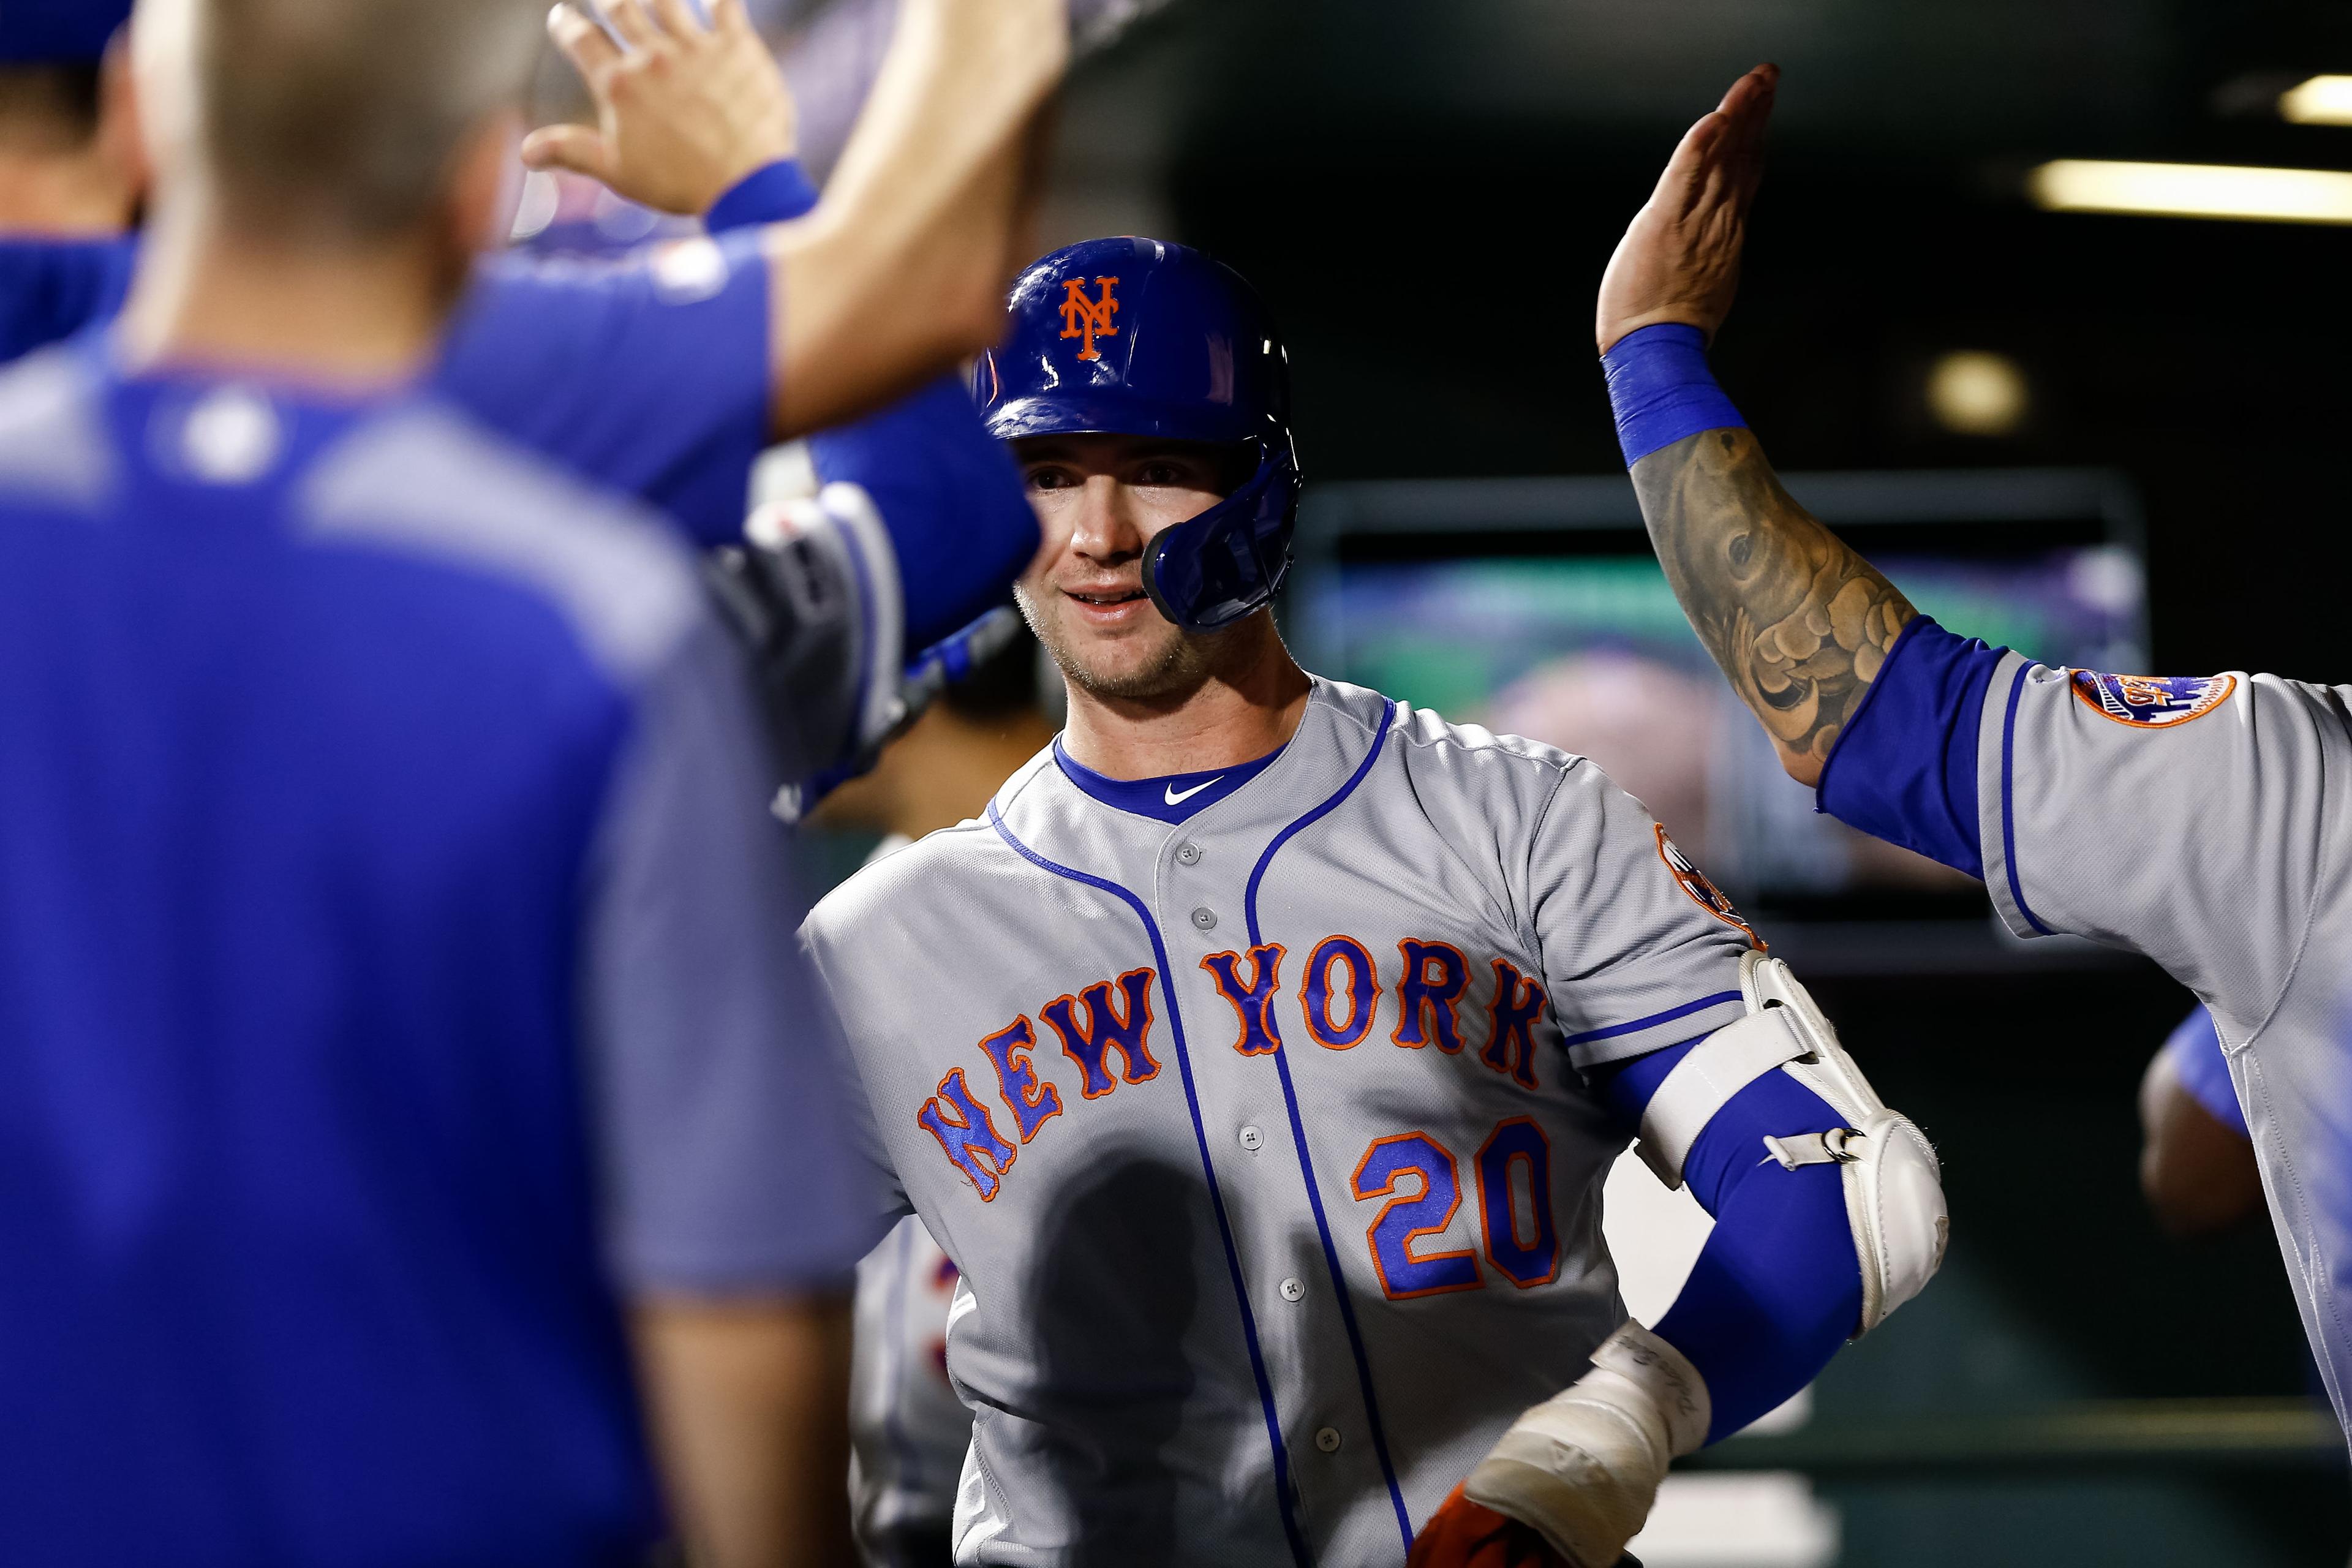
2151	701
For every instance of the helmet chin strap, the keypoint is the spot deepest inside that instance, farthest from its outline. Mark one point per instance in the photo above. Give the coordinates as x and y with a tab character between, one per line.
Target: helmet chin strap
1227	564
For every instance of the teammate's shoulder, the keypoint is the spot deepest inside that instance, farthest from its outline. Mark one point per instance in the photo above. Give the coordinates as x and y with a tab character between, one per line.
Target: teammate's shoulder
424	479
54	446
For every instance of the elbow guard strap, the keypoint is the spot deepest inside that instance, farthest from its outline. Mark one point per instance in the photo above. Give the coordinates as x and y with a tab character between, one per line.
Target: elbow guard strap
1894	1185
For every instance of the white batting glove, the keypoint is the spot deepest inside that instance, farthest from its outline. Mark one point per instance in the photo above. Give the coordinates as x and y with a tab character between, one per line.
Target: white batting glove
1582	1468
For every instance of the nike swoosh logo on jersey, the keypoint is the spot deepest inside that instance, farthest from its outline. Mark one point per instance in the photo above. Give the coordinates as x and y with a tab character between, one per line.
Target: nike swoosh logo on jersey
1178	798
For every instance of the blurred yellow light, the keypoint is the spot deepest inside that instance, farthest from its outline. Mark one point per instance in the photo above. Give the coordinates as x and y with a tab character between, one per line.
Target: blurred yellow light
2193	190
1976	393
2322	100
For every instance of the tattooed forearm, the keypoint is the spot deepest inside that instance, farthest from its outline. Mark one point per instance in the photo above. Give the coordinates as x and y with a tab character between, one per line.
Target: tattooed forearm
1798	621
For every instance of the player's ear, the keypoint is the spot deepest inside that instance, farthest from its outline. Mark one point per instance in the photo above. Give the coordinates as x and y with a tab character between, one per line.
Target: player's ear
485	185
119	139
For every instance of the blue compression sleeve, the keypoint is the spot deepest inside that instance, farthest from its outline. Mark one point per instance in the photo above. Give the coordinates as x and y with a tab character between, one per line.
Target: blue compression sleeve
1904	767
772	193
1661	390
1776	1289
951	498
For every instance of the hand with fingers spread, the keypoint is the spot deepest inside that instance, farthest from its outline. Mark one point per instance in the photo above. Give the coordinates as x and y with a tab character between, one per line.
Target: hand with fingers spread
1679	260
684	110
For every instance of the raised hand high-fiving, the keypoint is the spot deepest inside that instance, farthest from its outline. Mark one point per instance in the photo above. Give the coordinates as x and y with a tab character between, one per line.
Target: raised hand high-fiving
1679	260
683	110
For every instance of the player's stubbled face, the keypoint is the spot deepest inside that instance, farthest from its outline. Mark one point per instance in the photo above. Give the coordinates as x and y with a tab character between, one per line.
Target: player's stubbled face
1100	499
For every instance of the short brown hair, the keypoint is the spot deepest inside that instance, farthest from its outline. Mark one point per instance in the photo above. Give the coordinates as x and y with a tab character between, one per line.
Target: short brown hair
345	115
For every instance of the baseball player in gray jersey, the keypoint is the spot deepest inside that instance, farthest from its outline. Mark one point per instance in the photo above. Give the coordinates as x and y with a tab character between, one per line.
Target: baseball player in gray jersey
1260	1053
2200	820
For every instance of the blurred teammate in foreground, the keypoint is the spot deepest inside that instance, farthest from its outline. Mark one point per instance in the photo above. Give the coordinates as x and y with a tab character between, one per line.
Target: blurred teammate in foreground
2200	820
416	1117
1259	1056
70	160
668	375
2196	1168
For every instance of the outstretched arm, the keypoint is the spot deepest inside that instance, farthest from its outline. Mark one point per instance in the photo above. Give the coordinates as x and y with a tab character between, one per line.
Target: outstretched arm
1798	621
900	272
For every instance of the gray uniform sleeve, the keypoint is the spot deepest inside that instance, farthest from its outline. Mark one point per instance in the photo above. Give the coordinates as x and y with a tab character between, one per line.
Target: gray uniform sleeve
1640	950
2190	820
732	1159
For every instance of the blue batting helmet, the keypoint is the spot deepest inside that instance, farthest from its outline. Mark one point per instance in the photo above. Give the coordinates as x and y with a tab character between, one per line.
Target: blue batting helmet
1138	337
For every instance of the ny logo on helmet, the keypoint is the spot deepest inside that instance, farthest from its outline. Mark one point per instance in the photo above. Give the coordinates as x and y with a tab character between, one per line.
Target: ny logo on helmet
1084	318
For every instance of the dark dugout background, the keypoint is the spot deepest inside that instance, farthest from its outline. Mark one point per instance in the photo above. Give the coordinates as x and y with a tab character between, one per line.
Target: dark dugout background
1428	193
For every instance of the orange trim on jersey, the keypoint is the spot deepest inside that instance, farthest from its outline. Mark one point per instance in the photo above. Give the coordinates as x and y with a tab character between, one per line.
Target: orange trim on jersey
1416	997
1538	1197
975	1135
1107	1031
1361	1010
1253	1004
1428	1185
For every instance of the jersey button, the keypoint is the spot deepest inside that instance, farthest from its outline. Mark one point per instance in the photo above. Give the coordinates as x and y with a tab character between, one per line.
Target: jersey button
1206	919
1252	1139
1188	854
1292	1289
1328	1439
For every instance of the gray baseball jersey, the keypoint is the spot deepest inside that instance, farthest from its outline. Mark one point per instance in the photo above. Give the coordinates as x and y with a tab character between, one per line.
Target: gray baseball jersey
1258	1135
2204	823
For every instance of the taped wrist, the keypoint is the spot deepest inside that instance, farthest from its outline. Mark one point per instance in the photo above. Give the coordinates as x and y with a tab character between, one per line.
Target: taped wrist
772	193
1582	1468
1661	389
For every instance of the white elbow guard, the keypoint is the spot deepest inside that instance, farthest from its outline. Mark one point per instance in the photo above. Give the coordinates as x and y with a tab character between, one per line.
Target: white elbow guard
1582	1468
1894	1186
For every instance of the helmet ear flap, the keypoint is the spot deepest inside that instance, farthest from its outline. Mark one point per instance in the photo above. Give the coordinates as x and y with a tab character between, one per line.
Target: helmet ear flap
1229	562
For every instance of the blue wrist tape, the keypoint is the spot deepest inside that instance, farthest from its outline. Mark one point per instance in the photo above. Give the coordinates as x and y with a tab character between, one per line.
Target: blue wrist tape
1662	391
774	193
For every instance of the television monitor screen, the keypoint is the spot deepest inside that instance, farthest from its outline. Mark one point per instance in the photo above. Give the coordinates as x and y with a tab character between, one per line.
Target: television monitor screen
1563	629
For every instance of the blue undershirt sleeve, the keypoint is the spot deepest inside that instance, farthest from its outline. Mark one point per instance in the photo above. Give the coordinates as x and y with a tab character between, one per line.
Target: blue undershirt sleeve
1905	768
1776	1289
653	375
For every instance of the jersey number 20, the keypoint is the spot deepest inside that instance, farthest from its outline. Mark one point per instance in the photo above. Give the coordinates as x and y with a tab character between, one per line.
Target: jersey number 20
1523	1246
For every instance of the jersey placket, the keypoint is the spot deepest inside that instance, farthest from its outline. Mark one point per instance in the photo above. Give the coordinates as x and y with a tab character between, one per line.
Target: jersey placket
1207	887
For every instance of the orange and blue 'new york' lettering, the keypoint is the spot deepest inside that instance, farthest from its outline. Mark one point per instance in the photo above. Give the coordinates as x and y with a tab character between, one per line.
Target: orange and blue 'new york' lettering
1363	992
1511	1042
1421	994
966	1134
1254	1001
1031	1100
1106	1031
